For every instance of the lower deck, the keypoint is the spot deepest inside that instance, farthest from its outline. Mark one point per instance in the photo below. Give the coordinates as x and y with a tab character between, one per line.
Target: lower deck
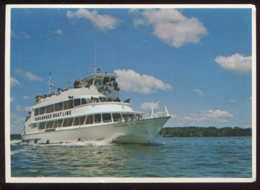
138	131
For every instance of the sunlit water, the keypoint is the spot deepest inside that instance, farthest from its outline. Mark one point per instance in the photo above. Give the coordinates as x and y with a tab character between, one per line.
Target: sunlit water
167	157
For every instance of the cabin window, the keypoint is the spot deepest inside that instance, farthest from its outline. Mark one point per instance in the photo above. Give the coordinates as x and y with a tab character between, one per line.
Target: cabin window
36	112
42	110
58	106
116	117
132	116
112	79
82	120
76	102
68	104
105	80
76	121
106	117
58	123
49	108
42	125
139	116
98	80
90	81
49	124
97	118
89	119
126	116
83	101
67	122
33	125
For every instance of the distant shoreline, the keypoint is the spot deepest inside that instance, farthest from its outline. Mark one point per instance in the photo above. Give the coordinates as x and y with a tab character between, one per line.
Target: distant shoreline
192	131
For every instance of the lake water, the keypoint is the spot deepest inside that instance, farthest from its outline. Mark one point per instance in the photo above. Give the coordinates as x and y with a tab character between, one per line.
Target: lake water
167	157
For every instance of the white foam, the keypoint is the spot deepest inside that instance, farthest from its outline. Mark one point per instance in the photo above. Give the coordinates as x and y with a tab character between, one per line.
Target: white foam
15	141
103	142
17	151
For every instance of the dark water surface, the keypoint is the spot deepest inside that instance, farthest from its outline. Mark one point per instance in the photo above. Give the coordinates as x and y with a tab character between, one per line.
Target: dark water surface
168	157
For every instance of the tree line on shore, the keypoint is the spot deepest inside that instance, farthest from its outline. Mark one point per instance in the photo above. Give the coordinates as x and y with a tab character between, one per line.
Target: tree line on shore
193	131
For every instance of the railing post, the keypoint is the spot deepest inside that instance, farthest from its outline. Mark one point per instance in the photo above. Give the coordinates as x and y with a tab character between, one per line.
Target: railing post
166	110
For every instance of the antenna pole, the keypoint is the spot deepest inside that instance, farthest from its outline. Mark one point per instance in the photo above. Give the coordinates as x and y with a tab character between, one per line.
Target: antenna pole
95	60
166	110
50	83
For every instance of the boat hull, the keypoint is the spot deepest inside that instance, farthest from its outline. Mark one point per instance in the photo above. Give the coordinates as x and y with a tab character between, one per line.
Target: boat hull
140	131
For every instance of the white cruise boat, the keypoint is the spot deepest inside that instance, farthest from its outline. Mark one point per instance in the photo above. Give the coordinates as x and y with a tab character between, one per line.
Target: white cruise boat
90	110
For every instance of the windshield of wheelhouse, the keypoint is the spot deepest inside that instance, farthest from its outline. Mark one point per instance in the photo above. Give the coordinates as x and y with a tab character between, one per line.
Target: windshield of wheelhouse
98	80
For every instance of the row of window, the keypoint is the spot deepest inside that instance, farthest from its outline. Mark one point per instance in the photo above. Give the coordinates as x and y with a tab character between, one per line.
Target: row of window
99	80
60	106
89	119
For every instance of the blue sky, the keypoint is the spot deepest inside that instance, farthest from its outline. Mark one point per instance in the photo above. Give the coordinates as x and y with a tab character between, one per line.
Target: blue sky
197	62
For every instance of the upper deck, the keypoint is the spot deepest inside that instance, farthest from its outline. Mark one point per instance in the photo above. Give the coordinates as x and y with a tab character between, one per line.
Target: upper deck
105	83
95	88
96	84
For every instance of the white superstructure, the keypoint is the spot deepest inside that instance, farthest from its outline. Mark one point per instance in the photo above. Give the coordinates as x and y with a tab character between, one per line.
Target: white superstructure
90	110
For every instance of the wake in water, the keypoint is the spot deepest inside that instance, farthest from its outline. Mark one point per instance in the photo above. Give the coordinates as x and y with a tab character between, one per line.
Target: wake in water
112	140
15	142
13	152
103	142
79	143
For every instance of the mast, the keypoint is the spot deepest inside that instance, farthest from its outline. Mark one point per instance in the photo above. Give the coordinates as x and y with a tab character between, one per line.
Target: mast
95	60
154	107
96	69
50	83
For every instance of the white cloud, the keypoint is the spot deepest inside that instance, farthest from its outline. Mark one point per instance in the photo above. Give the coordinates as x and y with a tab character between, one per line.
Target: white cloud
137	22
14	82
101	21
232	101
11	99
198	91
20	35
212	116
134	10
217	114
25	35
58	31
19	108
26	97
235	63
28	75
129	80
172	27
17	123
27	108
149	105
13	34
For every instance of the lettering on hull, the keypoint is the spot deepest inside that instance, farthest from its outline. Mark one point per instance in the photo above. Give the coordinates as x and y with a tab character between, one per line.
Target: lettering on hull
53	115
134	123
